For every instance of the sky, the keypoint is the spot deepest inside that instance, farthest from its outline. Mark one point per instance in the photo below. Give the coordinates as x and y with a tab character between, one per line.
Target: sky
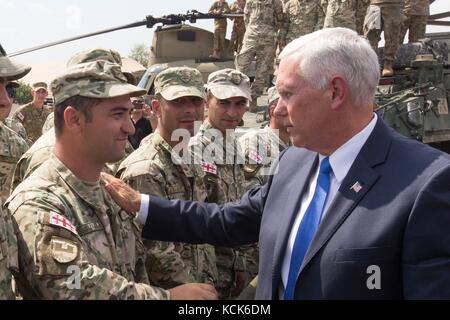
28	23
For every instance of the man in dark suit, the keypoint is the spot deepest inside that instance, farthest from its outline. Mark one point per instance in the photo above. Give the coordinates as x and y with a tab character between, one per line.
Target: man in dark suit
357	212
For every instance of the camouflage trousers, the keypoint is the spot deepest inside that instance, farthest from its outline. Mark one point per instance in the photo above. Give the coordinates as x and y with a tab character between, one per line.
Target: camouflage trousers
416	25
361	10
340	14
391	21
264	51
219	40
237	36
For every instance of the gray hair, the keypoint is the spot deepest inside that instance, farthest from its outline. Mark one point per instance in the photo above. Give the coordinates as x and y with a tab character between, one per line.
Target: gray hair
337	52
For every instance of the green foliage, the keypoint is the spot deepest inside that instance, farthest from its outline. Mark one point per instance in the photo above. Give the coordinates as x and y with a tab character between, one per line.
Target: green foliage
140	53
23	93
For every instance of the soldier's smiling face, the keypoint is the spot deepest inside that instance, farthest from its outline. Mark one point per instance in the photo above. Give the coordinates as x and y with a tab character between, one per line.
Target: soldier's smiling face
179	113
106	135
5	100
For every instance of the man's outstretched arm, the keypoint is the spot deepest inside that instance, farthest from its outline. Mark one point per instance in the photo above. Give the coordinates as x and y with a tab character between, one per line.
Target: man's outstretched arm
194	222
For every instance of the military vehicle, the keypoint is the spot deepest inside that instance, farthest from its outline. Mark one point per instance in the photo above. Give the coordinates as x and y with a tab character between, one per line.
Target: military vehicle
183	45
415	101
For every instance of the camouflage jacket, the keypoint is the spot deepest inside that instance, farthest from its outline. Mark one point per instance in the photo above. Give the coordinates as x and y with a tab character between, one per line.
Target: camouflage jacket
301	17
222	167
38	153
239	23
216	8
261	149
75	242
417	7
8	255
49	123
32	119
151	170
12	146
221	163
263	18
17	126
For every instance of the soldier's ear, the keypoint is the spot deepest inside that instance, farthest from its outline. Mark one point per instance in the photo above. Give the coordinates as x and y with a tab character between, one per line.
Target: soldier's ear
73	120
156	107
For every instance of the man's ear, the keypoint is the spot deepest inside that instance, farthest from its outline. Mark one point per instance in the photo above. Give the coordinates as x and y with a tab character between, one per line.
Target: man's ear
156	107
339	92
73	119
272	109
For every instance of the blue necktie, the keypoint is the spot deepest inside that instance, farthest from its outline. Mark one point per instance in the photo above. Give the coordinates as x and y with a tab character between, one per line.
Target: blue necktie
308	227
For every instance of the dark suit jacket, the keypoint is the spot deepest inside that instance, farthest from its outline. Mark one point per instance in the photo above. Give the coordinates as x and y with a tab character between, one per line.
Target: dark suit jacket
399	221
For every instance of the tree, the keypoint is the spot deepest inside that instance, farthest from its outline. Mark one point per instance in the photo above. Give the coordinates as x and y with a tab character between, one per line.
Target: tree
140	53
23	93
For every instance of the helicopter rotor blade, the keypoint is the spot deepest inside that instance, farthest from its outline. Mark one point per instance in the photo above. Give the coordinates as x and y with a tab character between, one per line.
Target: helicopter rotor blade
87	35
439	15
150	21
439	23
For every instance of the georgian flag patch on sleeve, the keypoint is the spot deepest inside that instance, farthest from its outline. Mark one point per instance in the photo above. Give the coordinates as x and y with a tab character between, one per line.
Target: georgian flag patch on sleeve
209	167
61	221
20	116
253	155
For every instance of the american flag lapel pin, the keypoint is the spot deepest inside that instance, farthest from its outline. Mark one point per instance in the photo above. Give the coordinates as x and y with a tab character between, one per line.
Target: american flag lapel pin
356	187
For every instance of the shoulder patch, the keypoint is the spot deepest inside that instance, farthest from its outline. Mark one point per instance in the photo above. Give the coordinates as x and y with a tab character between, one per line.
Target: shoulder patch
63	250
58	220
20	116
209	167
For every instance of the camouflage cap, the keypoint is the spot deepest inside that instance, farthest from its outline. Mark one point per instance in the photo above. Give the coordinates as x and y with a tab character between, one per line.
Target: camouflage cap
228	83
40	85
273	95
95	55
10	70
174	83
101	54
94	79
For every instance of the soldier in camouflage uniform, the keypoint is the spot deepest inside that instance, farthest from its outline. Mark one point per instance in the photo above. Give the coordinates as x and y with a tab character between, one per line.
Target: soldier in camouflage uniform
74	241
416	12
38	153
262	147
263	20
221	161
43	148
237	34
48	124
301	17
157	169
361	10
16	126
10	149
34	114
387	16
220	28
339	13
345	13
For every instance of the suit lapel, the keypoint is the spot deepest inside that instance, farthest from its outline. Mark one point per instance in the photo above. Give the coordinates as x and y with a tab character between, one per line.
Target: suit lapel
354	187
288	212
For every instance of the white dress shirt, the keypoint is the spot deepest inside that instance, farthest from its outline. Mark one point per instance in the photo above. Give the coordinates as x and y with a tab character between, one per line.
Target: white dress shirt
341	161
